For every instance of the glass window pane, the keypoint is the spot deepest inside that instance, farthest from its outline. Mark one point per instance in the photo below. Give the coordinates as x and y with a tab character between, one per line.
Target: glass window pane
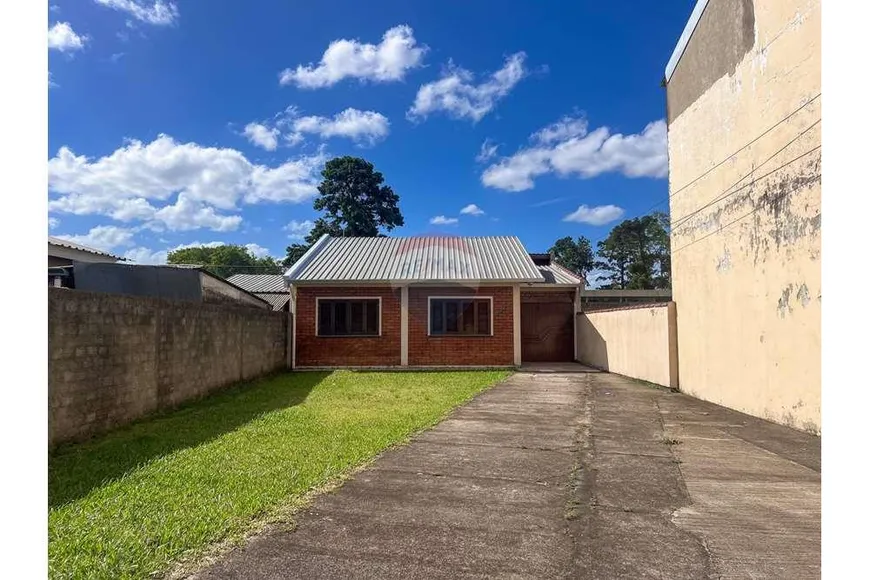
451	311
371	317
324	324
340	323
356	317
436	315
483	325
468	317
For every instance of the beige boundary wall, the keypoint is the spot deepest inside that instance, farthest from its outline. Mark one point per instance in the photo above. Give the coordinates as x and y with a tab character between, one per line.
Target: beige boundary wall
635	341
744	142
113	359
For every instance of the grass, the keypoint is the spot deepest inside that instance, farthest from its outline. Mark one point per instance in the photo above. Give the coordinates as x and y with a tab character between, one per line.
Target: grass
133	503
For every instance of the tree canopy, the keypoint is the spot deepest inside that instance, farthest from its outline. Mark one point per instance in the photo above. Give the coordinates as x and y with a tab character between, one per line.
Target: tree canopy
354	202
576	256
226	260
637	254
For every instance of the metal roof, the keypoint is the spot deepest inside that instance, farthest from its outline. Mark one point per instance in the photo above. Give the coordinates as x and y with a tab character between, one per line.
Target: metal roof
277	300
556	274
415	259
260	282
74	246
684	38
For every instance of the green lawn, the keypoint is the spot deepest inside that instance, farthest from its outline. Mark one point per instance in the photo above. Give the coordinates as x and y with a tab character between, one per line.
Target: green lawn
133	502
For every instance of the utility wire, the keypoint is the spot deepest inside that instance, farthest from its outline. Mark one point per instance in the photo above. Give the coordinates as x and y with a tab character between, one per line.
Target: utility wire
775	199
725	194
768	130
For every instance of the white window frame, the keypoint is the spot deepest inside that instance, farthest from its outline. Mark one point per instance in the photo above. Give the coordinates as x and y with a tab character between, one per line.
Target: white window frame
317	316
429	316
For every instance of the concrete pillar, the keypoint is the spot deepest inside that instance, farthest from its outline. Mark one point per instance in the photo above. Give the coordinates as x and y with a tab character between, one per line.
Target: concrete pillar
404	327
578	307
293	323
518	342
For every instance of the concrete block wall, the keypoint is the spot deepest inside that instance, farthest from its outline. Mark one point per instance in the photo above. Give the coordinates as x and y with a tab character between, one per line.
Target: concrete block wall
635	341
114	358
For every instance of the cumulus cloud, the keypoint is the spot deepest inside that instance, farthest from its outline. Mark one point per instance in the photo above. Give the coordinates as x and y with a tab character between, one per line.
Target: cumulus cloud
53	222
139	180
390	60
258	250
456	93
105	238
471	209
366	127
262	136
440	220
488	150
142	255
567	148
63	38
299	230
595	216
158	13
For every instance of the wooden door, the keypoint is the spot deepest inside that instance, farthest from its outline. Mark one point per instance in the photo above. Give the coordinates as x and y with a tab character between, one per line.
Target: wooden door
547	331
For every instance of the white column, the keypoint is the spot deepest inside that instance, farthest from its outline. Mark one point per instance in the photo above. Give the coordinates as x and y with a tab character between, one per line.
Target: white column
404	326
518	343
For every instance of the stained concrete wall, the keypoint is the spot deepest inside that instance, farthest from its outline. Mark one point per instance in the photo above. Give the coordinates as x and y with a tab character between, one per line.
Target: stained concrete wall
635	341
745	186
113	359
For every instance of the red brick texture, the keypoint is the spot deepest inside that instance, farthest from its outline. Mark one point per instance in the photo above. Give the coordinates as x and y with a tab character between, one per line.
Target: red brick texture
496	350
363	351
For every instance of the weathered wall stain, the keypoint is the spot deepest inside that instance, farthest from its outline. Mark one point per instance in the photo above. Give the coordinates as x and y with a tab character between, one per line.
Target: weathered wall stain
803	295
784	304
723	263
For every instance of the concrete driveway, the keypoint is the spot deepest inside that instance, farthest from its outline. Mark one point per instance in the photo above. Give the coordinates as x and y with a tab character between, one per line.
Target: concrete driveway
556	474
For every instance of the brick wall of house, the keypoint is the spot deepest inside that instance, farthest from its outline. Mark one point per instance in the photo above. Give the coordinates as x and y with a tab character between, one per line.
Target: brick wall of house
497	349
113	358
313	351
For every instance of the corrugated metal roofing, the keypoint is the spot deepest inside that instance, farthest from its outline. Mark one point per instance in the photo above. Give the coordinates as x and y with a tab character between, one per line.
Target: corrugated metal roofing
556	274
415	259
277	300
260	282
74	246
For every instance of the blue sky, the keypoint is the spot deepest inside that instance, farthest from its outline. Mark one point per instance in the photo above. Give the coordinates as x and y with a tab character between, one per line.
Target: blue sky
172	123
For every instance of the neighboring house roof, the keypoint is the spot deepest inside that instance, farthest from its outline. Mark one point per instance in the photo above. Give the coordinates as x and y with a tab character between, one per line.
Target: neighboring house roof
260	282
556	274
276	299
415	259
53	241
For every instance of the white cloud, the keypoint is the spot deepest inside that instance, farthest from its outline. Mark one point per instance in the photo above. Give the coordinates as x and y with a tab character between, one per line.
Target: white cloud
457	95
141	255
117	56
488	150
388	61
51	83
105	238
299	230
130	183
359	126
262	136
187	214
53	222
158	13
54	8
596	216
440	220
258	250
565	148
63	38
471	209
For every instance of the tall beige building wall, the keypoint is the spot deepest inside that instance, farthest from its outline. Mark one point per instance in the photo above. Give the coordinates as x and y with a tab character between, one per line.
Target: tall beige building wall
744	140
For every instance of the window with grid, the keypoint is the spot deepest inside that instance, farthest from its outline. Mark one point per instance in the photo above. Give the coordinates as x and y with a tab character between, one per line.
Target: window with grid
460	316
344	317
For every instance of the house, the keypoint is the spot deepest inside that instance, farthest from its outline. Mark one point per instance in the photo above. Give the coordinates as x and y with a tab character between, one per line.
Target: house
174	282
270	287
430	302
64	253
743	90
